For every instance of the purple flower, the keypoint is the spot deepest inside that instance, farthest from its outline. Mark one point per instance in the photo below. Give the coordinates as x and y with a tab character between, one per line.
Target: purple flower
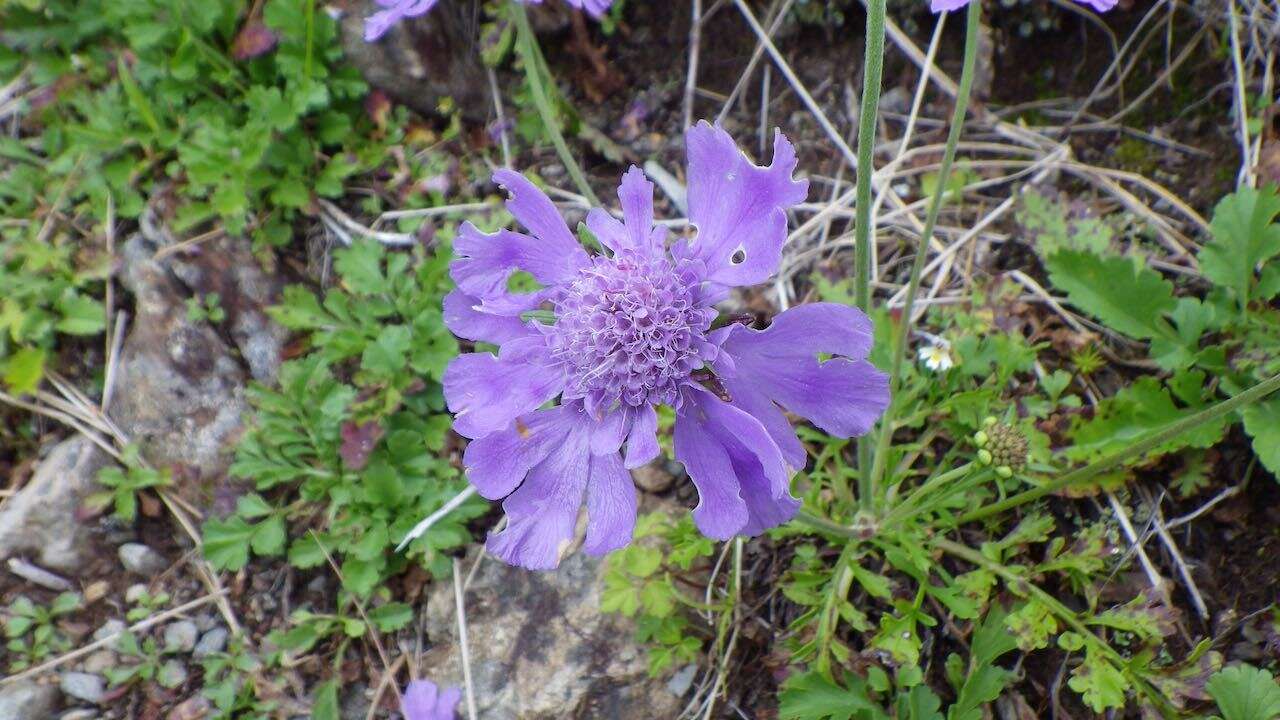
393	11
634	328
948	5
422	700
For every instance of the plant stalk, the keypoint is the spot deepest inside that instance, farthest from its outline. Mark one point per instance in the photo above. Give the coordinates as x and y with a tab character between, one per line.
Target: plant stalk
973	24
1092	470
527	43
873	69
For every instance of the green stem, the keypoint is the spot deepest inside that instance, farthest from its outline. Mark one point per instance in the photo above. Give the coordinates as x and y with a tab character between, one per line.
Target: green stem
527	43
1092	470
973	23
311	33
906	509
873	67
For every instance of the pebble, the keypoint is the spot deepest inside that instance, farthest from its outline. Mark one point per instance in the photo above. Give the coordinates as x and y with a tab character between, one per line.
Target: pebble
682	680
135	592
142	560
214	641
81	714
109	628
193	708
180	636
99	662
83	686
96	590
172	674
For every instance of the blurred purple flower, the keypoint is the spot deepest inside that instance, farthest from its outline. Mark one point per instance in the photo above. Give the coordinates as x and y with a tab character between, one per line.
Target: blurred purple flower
393	11
422	700
948	5
634	329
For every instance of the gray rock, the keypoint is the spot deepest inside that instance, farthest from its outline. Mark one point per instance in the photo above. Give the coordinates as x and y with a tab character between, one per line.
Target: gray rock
142	560
214	641
80	714
541	649
172	674
135	592
182	390
83	686
99	662
26	700
41	518
680	683
180	636
109	628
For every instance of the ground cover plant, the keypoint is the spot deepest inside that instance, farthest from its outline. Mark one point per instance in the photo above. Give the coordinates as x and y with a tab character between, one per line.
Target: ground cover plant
800	359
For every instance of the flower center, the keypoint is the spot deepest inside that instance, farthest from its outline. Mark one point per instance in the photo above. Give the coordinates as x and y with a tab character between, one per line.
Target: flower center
630	330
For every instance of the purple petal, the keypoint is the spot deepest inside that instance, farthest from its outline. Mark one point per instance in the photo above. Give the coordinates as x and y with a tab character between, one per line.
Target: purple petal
486	262
499	461
465	318
636	232
377	25
642	441
535	211
609	432
542	512
422	700
707	431
486	394
595	7
764	509
611	505
844	396
1100	5
947	5
739	208
745	397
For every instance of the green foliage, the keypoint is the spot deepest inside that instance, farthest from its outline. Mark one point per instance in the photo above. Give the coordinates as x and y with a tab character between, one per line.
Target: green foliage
810	696
1244	692
230	683
1245	237
639	582
369	450
1121	292
31	629
121	486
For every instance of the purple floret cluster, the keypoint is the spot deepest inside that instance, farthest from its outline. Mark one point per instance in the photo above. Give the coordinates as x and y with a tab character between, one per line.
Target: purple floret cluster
567	406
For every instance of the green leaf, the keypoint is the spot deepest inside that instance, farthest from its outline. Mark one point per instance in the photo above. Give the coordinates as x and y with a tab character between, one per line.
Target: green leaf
391	617
24	370
383	484
1244	237
1100	684
387	355
1262	422
268	536
1244	692
226	542
1124	295
920	704
325	704
360	266
809	696
80	315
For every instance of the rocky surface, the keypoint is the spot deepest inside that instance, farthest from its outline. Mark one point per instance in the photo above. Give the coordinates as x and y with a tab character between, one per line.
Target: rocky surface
541	649
27	700
141	560
83	686
42	518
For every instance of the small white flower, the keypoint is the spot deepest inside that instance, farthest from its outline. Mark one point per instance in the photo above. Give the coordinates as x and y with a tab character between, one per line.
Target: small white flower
936	357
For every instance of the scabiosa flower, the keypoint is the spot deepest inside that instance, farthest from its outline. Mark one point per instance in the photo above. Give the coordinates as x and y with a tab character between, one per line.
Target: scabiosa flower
423	700
633	328
393	11
949	5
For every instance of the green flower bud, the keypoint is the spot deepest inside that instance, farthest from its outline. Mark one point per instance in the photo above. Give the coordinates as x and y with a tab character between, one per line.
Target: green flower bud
980	439
984	456
1004	471
1008	447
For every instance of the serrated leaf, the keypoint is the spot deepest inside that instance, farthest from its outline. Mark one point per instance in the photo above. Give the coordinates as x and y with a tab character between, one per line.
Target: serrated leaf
1262	422
360	266
809	696
1100	684
391	617
1244	236
226	542
1244	692
1125	296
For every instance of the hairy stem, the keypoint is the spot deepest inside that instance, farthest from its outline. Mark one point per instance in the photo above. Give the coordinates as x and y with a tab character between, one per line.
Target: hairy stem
527	43
873	67
1092	470
973	23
